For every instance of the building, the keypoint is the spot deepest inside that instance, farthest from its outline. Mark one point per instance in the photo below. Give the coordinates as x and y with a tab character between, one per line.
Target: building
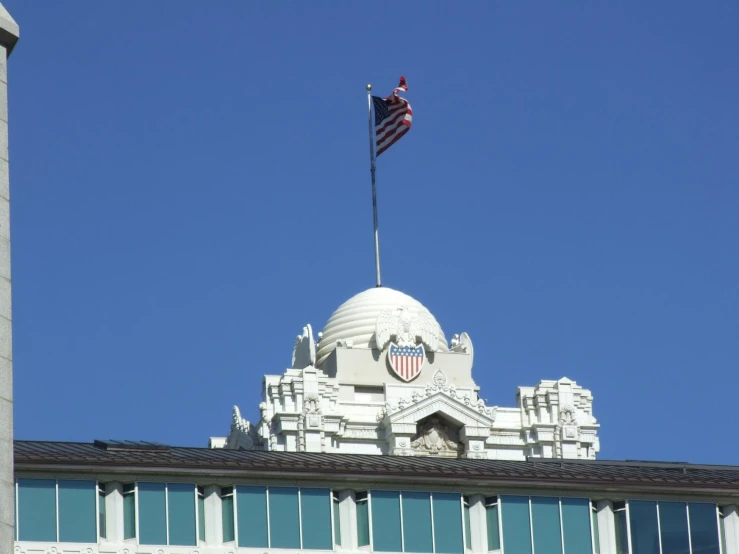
376	440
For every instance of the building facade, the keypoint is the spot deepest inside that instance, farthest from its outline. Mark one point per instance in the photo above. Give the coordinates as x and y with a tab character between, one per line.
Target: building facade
376	440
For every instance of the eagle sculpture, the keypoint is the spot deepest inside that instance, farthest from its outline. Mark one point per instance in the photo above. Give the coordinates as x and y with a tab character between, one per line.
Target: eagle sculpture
408	327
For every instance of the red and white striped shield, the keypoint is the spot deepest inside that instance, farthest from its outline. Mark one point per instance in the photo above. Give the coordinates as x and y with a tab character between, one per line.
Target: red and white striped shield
406	361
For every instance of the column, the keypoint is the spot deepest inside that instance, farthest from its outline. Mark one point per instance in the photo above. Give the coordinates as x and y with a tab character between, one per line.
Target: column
213	516
114	512
347	520
478	524
731	529
8	38
606	526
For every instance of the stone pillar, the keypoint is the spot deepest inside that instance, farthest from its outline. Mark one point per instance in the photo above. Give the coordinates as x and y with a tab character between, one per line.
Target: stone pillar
8	38
347	521
114	512
731	529
606	526
213	516
478	525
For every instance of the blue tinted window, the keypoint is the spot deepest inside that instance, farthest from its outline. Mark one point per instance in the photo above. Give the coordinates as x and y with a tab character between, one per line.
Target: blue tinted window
545	518
622	533
363	536
337	521
101	512
643	522
77	516
576	525
704	528
386	521
181	514
596	530
37	510
251	504
673	526
417	522
152	513
447	523
129	511
201	514
516	524
315	511
491	515
227	517
283	510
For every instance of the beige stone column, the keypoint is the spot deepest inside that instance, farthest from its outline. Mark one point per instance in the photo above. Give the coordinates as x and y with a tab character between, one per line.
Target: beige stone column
8	38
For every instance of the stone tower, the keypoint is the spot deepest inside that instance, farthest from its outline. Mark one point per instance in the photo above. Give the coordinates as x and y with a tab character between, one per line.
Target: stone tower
8	38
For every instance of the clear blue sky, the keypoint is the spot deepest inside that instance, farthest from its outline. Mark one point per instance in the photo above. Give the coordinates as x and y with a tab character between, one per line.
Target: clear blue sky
190	186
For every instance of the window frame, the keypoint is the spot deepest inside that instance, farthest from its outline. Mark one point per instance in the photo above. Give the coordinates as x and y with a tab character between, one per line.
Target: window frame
166	512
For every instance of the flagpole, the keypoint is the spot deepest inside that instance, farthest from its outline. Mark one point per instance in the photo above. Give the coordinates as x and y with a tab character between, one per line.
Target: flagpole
373	157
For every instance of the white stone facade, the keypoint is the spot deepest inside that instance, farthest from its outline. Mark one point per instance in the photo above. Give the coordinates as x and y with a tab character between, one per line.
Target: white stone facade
343	394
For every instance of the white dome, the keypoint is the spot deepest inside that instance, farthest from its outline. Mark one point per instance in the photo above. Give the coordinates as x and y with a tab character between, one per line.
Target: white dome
355	320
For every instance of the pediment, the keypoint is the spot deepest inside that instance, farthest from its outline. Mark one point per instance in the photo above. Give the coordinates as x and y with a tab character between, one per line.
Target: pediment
452	409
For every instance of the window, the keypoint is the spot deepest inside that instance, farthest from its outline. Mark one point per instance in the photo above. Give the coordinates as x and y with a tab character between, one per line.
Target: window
201	513
167	513
467	528
492	520
50	510
302	517
596	530
101	511
548	525
129	511
667	527
622	531
227	514
363	528
404	522
337	518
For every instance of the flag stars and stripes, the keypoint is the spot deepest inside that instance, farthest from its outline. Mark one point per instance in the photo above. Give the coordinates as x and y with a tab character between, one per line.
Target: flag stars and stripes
393	118
406	361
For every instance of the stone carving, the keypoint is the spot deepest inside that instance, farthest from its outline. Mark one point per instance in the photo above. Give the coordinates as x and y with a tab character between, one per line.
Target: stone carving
304	350
312	404
408	328
566	430
242	435
434	437
439	385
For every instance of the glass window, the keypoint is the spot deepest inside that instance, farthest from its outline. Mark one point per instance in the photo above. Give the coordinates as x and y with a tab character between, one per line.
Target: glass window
337	518
101	511
516	524
362	503
673	526
251	507
643	524
37	510
386	521
596	530
467	529
201	513
283	510
152	498
448	537
77	511
181	514
491	517
622	533
704	537
227	514
417	522
576	525
547	531
129	511
315	514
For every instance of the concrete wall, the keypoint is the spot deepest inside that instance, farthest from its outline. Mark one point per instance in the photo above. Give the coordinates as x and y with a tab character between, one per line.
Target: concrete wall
8	38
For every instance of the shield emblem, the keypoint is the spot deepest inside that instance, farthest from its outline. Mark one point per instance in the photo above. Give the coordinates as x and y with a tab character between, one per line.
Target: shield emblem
406	361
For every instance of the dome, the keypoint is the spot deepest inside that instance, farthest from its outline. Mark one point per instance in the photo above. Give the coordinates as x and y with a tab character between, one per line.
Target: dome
355	320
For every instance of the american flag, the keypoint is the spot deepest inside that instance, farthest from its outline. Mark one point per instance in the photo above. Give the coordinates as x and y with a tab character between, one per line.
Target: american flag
406	360
393	117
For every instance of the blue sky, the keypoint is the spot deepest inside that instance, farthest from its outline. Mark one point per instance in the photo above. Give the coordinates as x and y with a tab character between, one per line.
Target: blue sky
190	186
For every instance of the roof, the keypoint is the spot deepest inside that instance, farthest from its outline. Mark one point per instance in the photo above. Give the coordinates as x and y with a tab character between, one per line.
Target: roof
643	476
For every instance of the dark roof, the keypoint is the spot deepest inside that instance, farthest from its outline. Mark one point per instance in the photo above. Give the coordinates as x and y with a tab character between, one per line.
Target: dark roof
33	455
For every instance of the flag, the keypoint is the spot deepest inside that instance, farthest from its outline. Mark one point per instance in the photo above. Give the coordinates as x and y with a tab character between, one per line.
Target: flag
393	117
